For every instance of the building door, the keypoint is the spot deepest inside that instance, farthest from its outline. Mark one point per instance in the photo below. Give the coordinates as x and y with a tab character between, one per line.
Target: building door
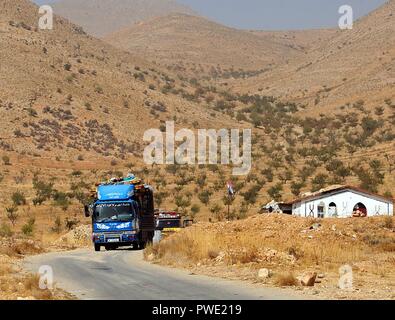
332	210
321	210
360	210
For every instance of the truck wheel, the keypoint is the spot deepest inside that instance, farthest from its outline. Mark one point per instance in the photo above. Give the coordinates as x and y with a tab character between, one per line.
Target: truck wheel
135	245
142	245
97	247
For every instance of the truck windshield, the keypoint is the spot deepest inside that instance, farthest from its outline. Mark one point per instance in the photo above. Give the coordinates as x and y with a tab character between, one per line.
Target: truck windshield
106	212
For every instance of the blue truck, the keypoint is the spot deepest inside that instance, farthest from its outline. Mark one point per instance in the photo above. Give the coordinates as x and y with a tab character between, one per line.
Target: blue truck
122	215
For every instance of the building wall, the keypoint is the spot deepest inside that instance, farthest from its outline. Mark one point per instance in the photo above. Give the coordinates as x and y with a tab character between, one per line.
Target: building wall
345	202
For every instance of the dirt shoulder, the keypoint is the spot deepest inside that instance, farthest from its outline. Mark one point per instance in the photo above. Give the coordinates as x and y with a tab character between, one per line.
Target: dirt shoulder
283	251
16	283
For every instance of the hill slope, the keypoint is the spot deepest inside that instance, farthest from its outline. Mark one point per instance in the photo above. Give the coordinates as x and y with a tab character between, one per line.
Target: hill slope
64	92
100	17
350	65
179	38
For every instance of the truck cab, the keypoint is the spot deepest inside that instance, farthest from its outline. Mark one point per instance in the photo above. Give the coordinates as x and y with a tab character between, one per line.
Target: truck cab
122	215
168	221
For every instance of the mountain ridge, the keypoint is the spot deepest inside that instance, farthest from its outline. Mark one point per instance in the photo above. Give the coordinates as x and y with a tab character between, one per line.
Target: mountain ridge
99	17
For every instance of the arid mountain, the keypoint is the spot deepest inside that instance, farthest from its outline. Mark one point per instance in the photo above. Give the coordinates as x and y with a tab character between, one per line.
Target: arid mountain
347	66
63	92
66	96
182	38
302	40
101	17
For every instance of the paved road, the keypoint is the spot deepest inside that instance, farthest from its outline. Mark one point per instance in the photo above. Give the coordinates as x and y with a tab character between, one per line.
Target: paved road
123	274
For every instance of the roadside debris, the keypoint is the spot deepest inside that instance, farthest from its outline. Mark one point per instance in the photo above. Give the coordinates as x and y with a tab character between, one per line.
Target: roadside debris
315	226
264	273
80	236
308	279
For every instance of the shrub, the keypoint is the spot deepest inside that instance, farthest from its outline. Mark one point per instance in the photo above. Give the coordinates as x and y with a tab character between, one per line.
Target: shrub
319	181
18	133
296	187
251	194
28	228
43	190
57	227
67	66
195	209
71	223
76	173
18	198
182	203
388	194
12	215
61	200
275	191
5	230
6	160
216	210
99	90
204	196
388	222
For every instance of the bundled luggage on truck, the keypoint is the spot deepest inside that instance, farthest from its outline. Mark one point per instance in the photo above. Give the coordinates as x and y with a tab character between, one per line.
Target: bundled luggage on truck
122	212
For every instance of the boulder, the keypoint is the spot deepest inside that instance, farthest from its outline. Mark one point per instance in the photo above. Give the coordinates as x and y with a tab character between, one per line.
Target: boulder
308	279
264	273
315	226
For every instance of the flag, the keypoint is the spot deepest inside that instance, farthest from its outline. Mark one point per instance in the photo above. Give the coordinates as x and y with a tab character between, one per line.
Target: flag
231	190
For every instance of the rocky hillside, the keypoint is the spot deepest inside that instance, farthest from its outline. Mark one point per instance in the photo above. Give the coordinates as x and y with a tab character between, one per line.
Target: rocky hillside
76	107
101	17
347	66
66	92
180	38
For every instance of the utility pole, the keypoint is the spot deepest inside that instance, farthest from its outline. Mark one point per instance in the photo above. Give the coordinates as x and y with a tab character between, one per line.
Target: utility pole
231	195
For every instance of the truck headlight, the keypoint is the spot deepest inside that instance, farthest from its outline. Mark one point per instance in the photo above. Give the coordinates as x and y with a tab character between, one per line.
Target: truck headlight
96	236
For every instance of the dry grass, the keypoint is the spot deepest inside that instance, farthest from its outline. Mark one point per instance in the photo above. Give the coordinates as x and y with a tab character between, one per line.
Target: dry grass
19	248
286	280
290	236
14	285
286	245
5	269
31	284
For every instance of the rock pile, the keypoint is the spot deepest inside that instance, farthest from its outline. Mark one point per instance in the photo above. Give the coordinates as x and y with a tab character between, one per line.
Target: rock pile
81	236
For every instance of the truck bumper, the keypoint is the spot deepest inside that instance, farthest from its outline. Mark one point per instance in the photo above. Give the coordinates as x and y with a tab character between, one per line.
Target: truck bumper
123	239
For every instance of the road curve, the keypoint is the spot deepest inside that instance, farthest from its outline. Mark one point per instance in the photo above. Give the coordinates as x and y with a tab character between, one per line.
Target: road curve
123	275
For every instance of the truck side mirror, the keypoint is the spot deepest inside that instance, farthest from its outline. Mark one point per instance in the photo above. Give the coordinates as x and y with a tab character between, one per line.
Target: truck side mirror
87	213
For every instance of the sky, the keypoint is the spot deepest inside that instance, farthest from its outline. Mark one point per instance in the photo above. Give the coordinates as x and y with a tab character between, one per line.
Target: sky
275	14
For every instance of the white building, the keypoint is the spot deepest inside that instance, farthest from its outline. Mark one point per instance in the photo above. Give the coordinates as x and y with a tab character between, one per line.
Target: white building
342	202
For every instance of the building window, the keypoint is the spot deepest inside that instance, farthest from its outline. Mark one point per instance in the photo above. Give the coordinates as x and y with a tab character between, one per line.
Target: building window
321	210
332	210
